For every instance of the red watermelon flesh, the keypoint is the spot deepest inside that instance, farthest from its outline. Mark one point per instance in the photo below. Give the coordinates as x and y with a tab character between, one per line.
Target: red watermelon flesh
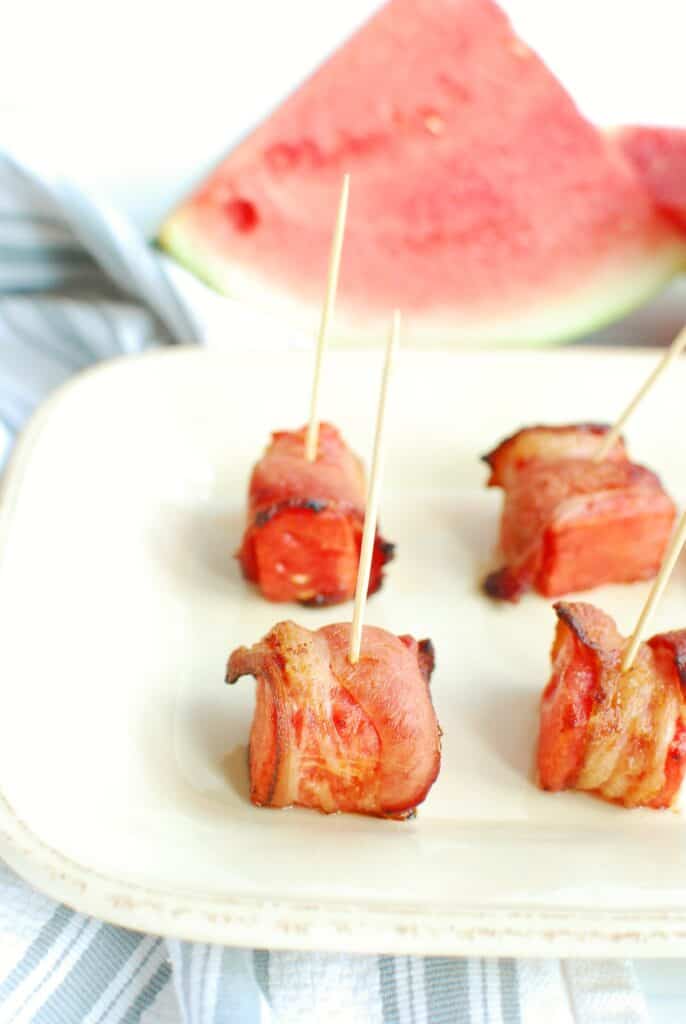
659	157
482	202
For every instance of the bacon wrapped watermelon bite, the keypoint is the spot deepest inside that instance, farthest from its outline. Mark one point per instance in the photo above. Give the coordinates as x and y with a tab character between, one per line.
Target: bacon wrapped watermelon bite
334	735
305	520
619	733
571	522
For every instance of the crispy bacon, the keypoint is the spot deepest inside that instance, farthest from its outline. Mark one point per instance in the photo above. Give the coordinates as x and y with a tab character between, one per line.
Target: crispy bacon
569	523
305	520
577	441
339	737
619	734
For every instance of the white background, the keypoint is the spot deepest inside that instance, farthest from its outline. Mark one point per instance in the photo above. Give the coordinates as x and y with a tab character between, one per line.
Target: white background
136	99
139	97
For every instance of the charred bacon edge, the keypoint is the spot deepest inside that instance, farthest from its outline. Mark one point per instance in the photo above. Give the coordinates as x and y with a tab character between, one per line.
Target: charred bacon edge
426	658
316	505
309	504
675	640
505	585
566	614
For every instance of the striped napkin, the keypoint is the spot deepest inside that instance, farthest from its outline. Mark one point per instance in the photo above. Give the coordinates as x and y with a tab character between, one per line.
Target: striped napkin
77	285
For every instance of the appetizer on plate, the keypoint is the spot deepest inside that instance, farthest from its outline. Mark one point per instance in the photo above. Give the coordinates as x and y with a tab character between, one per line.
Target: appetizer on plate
308	495
335	735
343	717
615	731
305	519
571	522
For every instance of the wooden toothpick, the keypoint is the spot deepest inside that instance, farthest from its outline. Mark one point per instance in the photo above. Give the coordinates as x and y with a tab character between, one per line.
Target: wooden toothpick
659	585
312	439
674	350
372	510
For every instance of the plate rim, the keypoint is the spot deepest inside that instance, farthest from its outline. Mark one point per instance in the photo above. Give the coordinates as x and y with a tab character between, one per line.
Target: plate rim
298	924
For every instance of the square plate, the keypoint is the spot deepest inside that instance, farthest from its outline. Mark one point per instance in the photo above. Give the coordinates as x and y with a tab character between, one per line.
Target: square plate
123	786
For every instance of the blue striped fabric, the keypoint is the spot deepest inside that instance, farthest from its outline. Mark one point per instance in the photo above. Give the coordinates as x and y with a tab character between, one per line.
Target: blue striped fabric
47	330
77	285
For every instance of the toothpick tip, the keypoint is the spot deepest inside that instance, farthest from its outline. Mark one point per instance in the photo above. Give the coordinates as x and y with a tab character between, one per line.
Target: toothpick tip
615	433
312	438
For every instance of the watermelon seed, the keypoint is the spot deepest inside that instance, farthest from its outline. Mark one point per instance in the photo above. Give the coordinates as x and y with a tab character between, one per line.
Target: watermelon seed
243	214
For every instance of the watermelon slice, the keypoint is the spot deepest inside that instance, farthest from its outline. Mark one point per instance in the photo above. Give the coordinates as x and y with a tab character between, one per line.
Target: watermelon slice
482	202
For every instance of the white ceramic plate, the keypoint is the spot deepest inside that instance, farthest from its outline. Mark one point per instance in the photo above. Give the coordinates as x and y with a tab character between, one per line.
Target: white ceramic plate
123	788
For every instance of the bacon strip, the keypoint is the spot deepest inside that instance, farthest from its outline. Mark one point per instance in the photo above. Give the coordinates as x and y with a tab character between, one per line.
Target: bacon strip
305	520
551	443
339	737
569	523
621	735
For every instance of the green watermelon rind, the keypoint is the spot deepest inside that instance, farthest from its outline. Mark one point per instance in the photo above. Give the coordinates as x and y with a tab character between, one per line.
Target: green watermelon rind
570	316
